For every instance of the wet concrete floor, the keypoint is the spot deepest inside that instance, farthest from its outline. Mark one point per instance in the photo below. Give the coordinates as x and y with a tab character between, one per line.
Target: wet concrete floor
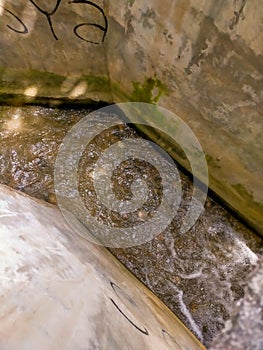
199	275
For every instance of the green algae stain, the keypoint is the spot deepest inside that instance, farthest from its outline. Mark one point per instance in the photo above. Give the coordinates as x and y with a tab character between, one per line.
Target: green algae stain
13	84
149	91
212	162
130	3
248	197
241	190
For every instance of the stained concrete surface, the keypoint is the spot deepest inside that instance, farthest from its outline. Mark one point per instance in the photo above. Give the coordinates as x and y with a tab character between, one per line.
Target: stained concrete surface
200	59
59	291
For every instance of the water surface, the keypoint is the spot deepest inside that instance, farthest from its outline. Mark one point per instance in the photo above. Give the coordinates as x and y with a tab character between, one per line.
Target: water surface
199	275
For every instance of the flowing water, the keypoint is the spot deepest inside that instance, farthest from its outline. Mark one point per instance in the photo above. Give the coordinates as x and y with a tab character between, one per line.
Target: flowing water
199	275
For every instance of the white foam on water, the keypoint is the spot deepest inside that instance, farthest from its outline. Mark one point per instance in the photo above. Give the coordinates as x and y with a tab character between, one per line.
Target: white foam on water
191	275
187	313
244	252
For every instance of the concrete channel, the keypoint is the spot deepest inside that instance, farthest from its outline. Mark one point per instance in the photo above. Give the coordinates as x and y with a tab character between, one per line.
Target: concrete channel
62	64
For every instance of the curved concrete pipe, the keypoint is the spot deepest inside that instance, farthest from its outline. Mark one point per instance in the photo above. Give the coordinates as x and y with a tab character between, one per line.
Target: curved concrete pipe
59	291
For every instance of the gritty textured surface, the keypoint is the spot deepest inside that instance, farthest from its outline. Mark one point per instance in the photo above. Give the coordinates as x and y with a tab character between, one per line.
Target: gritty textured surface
30	138
199	275
59	291
245	329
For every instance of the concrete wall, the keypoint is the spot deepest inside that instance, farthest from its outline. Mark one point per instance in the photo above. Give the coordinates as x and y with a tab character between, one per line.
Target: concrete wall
200	59
47	49
205	58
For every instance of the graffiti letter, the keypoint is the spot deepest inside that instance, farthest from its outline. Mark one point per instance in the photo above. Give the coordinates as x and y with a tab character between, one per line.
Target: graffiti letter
102	28
48	15
143	331
24	31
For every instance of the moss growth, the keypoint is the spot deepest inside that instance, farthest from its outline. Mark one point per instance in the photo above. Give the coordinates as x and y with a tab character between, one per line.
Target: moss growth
247	196
130	2
259	204
119	95
97	82
49	85
238	199
212	162
19	79
149	91
243	192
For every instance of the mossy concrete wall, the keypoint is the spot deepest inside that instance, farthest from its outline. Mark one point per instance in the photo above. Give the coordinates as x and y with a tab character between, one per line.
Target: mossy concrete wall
200	59
53	49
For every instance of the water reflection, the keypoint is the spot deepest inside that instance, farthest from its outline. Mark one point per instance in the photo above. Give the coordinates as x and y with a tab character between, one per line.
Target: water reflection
199	275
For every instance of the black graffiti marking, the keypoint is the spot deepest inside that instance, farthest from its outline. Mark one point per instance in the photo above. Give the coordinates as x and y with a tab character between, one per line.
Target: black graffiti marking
113	285
87	24
171	337
166	335
145	332
24	31
48	15
104	28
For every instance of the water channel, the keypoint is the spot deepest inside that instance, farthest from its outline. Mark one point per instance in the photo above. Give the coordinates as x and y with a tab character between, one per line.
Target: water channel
199	275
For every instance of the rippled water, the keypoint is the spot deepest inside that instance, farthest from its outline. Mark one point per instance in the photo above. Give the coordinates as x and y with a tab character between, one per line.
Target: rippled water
199	275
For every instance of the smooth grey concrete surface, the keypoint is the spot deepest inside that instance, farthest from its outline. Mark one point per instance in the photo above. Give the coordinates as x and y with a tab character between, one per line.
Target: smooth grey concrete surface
59	291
